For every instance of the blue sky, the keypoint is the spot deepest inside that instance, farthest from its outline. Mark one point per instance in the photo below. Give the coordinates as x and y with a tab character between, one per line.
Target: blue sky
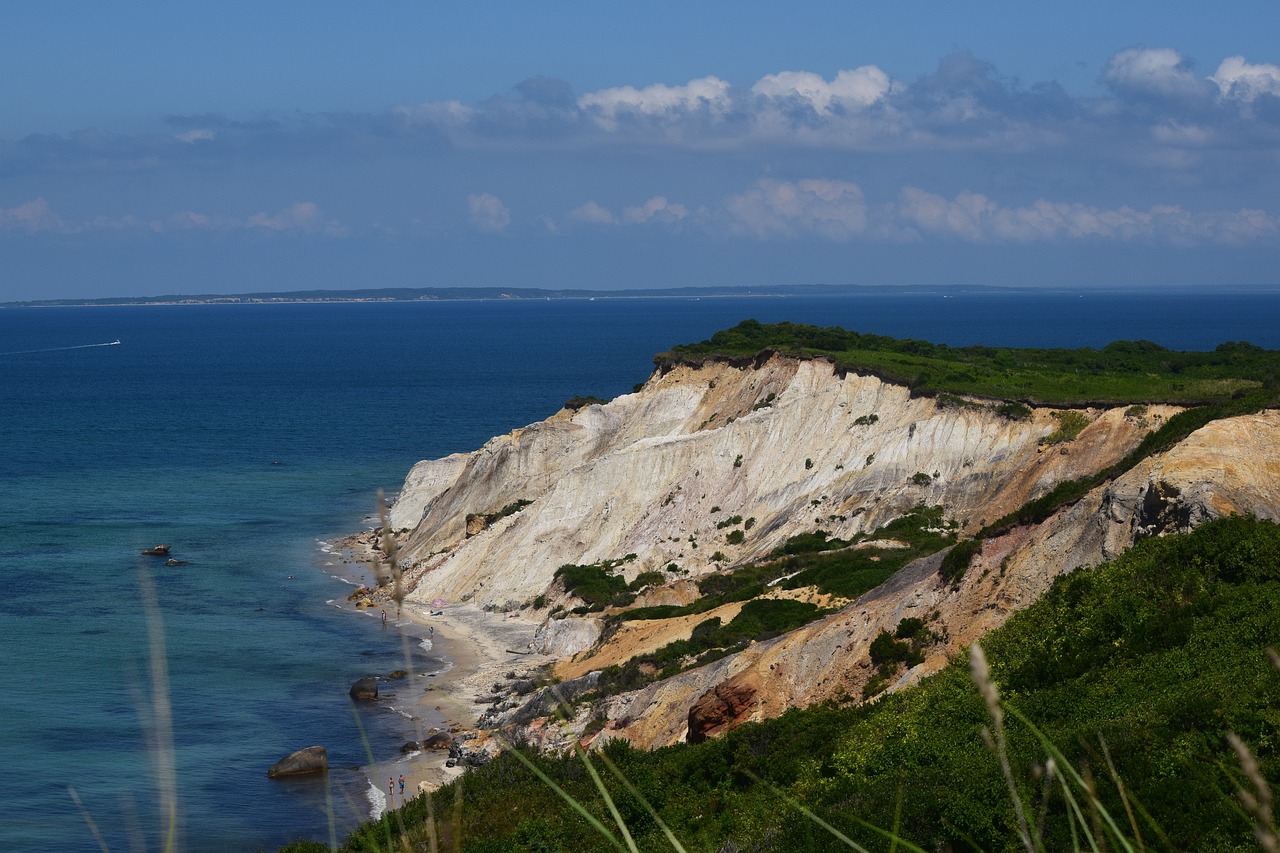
153	148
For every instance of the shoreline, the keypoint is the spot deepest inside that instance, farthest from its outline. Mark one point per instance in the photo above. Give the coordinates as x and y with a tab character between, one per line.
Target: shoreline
480	650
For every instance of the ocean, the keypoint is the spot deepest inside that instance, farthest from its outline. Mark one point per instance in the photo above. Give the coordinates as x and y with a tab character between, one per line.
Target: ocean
245	436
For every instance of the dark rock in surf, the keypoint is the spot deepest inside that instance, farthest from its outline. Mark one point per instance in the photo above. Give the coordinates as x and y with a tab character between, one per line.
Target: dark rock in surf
365	689
313	759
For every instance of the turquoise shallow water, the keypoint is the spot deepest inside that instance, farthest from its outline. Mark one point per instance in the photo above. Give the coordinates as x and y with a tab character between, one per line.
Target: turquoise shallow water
245	435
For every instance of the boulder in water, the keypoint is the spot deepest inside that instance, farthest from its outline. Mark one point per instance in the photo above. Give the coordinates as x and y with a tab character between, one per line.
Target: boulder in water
313	759
365	689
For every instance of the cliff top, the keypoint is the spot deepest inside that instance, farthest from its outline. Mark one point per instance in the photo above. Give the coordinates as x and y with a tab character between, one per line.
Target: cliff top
1121	372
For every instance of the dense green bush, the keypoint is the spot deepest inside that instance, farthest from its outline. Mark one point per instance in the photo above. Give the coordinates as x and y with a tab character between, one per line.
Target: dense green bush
595	584
958	559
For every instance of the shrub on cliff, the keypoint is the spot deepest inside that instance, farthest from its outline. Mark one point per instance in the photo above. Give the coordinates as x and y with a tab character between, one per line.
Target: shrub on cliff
594	584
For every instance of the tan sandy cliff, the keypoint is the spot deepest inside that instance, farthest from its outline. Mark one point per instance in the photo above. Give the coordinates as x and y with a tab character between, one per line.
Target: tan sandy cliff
792	446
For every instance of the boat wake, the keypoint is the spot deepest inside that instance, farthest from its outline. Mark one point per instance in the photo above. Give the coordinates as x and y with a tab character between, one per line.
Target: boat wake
114	343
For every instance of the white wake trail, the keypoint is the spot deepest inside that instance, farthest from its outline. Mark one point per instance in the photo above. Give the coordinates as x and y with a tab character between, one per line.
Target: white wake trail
61	349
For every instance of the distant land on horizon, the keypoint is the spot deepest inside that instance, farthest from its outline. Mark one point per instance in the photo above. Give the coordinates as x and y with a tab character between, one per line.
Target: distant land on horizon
441	294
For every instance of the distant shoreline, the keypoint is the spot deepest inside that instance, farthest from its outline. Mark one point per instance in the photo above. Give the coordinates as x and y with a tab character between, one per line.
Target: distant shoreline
513	294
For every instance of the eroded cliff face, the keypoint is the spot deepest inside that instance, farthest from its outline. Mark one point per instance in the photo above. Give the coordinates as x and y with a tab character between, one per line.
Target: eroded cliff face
788	443
796	447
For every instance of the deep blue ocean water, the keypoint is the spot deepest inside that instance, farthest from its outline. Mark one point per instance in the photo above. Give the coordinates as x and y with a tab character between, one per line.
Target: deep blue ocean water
246	435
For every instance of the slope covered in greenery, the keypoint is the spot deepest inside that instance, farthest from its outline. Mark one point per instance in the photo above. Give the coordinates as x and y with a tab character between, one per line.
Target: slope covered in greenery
1145	663
1121	372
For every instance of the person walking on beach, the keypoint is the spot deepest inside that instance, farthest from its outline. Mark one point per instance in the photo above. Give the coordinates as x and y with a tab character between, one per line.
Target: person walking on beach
391	790
401	786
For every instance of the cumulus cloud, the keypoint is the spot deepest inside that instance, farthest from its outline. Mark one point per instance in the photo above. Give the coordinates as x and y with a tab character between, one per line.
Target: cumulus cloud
1160	72
708	96
839	211
1239	80
854	89
488	213
32	217
593	213
836	210
1154	101
656	209
304	217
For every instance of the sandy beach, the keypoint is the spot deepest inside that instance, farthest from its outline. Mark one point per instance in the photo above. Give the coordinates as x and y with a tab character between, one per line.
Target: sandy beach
483	649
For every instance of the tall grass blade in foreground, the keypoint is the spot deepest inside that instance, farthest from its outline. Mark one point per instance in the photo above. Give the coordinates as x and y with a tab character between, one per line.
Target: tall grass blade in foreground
563	794
991	697
653	813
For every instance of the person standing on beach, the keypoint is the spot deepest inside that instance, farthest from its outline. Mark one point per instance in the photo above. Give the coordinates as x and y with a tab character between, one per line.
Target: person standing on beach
402	786
391	790
384	618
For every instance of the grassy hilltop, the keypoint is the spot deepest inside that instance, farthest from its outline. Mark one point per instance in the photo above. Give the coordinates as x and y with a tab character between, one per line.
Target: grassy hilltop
1121	372
1128	693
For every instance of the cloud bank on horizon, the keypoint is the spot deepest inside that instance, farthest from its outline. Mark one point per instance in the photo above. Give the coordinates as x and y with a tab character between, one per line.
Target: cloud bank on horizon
1166	174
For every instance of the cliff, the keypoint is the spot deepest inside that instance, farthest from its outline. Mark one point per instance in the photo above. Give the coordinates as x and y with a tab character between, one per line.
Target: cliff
648	480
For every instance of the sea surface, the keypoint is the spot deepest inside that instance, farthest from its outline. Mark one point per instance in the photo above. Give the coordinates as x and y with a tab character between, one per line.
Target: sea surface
247	435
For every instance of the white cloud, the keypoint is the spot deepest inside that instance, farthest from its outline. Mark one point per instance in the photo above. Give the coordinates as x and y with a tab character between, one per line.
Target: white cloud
488	213
593	213
303	217
447	114
32	217
836	210
657	209
854	89
1239	80
975	218
193	136
707	95
1163	72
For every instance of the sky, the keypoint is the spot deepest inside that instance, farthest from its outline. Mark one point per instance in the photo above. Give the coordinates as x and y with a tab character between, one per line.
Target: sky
151	148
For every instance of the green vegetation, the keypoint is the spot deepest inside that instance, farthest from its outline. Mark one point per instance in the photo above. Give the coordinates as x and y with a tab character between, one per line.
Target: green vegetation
848	572
490	517
1134	672
598	586
957	561
1070	425
1121	372
734	537
890	652
759	619
584	400
816	559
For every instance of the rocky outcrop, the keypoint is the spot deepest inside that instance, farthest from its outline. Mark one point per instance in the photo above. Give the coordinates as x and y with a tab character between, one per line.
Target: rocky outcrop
564	638
313	759
723	706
